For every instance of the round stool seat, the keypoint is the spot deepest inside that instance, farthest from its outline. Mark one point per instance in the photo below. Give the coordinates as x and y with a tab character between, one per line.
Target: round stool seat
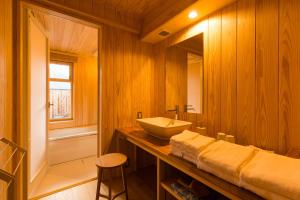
111	160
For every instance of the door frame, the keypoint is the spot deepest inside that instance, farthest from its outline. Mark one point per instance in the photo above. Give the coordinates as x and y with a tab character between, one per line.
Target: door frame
23	89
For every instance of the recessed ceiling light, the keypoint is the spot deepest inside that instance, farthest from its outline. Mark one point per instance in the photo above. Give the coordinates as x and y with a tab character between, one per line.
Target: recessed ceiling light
193	14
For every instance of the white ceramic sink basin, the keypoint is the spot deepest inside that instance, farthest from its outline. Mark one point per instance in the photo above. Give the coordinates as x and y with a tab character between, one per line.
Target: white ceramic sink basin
163	128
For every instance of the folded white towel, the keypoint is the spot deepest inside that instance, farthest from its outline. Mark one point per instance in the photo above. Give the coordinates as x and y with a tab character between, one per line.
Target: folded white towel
224	159
185	135
197	144
190	158
189	144
193	146
274	173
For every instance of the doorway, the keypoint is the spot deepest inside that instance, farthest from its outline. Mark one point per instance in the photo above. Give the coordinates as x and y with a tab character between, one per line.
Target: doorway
61	60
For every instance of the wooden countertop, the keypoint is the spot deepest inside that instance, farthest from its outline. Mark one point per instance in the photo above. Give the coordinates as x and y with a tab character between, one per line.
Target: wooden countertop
161	149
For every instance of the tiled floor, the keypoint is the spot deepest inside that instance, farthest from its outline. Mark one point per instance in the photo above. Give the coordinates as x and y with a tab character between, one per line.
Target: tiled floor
66	175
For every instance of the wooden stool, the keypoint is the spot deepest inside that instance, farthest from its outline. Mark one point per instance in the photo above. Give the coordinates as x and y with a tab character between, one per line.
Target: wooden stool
110	161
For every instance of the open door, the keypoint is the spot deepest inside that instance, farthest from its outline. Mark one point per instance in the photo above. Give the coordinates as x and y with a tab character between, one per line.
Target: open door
37	55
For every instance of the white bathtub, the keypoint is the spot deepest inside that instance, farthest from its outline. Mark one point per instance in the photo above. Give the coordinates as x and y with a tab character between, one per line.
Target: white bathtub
71	144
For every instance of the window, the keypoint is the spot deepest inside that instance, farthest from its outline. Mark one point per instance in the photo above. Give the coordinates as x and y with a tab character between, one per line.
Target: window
60	91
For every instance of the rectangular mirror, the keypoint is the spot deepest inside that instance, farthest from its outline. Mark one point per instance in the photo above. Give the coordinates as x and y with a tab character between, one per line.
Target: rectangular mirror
184	75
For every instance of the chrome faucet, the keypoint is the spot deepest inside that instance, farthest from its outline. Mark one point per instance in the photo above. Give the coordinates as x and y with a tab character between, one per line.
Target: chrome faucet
188	107
176	110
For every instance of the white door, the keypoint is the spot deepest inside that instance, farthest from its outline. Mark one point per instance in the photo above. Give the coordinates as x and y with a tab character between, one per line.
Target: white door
38	59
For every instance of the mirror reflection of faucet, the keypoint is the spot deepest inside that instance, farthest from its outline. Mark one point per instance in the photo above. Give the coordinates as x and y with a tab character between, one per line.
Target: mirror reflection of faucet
188	108
176	110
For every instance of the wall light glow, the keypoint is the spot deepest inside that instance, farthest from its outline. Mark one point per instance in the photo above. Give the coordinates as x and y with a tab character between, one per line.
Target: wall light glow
193	14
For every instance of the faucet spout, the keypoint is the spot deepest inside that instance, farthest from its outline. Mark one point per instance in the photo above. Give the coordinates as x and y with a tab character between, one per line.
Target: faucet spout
176	110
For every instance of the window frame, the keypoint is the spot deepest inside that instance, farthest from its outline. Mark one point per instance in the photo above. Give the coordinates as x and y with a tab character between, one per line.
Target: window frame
70	80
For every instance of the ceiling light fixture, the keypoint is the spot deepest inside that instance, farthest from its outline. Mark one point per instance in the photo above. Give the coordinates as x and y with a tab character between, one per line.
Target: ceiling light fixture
193	14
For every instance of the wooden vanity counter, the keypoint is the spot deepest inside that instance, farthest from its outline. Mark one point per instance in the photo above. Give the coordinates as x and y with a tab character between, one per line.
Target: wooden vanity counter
161	150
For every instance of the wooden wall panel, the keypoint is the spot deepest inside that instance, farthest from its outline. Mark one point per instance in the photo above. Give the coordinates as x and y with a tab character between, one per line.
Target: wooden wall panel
87	76
267	74
289	75
176	77
6	70
127	71
228	70
159	56
246	72
264	90
214	76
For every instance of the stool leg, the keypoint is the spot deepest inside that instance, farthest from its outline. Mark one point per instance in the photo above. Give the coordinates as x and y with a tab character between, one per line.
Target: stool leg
110	184
124	181
99	182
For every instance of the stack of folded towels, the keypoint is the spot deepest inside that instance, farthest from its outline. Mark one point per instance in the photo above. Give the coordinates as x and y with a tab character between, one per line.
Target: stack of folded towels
272	176
267	174
188	145
225	160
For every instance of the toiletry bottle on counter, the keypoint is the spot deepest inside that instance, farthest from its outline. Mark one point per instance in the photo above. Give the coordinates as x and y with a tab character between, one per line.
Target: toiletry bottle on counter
221	136
230	138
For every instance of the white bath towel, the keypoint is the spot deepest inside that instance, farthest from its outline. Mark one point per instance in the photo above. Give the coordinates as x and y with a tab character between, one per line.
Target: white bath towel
189	149
274	173
225	159
197	144
190	158
185	135
192	146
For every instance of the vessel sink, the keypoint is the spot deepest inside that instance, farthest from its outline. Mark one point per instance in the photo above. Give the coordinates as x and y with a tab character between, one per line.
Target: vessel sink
163	128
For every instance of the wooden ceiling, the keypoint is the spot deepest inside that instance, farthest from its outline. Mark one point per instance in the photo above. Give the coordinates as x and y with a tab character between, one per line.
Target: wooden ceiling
168	15
144	9
143	17
68	36
176	22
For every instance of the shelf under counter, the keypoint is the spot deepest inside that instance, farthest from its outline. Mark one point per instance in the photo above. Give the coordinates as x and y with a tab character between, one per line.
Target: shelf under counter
161	150
166	185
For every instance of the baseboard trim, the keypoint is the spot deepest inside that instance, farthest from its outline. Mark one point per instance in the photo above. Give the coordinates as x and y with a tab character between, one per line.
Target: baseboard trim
38	177
61	189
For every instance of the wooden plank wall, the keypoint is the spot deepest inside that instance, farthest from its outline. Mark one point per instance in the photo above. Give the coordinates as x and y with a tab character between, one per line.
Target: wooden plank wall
176	77
128	81
85	84
252	59
6	70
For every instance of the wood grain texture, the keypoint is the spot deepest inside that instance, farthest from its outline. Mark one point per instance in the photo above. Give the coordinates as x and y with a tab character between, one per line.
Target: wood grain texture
246	72
176	78
267	74
94	11
214	74
6	70
289	74
267	100
161	150
174	22
228	70
85	98
68	36
143	8
162	13
127	78
159	56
